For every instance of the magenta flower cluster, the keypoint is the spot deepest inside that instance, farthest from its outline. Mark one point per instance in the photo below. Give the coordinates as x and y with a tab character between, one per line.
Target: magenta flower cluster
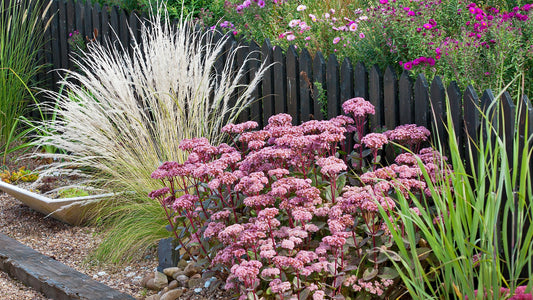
282	212
477	31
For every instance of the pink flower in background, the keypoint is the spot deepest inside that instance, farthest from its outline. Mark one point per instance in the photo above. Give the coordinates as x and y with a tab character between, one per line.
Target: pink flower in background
301	8
352	26
362	35
261	3
294	23
291	37
336	40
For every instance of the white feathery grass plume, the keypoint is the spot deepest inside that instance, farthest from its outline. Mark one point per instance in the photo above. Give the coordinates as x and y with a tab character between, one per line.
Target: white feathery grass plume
124	115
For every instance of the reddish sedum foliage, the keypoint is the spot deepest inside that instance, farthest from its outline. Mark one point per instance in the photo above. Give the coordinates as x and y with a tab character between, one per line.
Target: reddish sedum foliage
276	210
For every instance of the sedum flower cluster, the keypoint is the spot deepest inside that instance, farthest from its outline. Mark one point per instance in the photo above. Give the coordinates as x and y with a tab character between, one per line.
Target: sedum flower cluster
284	214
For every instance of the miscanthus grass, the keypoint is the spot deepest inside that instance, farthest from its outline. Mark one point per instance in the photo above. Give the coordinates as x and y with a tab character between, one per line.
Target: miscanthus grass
125	113
473	220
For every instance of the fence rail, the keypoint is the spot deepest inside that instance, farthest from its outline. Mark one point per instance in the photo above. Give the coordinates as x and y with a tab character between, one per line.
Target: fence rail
294	84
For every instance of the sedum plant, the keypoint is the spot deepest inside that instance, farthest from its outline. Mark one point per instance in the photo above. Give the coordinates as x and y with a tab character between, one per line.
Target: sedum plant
128	107
280	213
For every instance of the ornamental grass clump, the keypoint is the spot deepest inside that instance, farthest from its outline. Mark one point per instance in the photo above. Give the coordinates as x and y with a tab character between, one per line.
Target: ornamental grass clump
281	214
478	224
22	25
126	111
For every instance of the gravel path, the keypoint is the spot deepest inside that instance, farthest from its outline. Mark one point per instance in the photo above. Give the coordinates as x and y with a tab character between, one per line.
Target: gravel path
13	289
69	245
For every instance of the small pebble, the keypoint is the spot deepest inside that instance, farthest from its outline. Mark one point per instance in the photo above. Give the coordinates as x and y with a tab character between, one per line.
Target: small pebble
131	274
102	273
198	290
208	282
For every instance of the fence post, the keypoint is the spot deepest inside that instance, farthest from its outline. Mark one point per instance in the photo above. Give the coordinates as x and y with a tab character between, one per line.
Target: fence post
454	98
256	108
347	83
242	52
319	71
421	101
306	85
63	34
375	96
506	122
405	95
280	81
97	21
360	78
390	98
88	20
293	85
471	126
267	55
438	100
333	86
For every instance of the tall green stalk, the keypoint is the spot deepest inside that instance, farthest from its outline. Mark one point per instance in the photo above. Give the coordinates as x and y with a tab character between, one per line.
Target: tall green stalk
476	212
21	38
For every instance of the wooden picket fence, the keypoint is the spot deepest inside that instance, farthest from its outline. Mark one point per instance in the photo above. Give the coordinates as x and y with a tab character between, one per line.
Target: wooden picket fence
292	84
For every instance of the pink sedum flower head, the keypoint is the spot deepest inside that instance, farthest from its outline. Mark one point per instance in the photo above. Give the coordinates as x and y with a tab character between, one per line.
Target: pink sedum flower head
409	134
331	166
375	140
239	128
279	287
279	120
358	107
185	202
